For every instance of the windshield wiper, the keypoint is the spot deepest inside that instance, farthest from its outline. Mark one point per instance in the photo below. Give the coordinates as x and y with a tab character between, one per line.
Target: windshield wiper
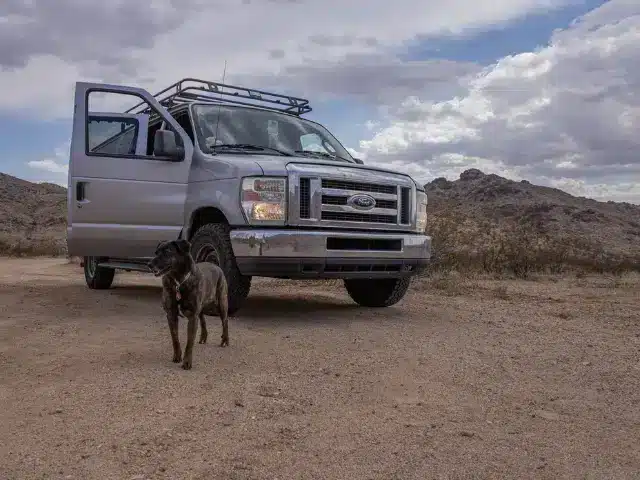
248	146
323	155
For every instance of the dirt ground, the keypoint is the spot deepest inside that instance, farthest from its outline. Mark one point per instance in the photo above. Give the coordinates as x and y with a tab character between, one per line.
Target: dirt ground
465	379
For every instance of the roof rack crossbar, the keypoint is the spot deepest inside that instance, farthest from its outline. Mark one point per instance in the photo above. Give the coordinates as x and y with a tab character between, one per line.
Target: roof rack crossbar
212	92
187	97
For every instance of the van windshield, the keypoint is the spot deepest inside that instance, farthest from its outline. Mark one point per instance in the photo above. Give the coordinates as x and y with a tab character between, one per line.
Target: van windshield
250	130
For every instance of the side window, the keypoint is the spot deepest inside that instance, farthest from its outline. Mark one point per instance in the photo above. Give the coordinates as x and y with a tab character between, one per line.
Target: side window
313	143
120	124
113	135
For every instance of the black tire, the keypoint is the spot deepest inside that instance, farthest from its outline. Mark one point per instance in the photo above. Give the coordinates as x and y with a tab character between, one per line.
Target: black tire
211	243
97	278
377	292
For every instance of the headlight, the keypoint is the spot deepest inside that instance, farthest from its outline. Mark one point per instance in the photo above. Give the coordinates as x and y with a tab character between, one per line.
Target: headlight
264	200
421	214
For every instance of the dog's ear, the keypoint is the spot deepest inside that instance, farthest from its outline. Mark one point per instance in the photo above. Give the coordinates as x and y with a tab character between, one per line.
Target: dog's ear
183	245
160	245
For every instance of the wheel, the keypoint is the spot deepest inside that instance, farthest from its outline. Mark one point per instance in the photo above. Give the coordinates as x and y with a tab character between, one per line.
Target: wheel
379	292
211	243
99	278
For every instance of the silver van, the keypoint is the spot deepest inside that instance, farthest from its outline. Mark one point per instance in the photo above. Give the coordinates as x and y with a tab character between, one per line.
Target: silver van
254	186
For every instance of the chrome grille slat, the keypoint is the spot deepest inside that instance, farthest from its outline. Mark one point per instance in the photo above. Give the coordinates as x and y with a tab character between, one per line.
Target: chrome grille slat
359	186
340	192
347	209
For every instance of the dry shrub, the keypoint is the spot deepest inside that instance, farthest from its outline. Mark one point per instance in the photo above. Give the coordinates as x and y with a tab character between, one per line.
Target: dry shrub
625	281
36	246
518	250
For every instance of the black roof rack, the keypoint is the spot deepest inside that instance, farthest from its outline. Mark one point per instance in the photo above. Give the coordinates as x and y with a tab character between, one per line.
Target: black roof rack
190	90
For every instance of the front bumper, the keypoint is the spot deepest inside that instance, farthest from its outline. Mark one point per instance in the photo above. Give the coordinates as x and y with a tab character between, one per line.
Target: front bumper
329	254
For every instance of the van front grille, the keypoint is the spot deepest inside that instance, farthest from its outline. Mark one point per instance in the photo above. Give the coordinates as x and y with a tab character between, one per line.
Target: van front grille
326	197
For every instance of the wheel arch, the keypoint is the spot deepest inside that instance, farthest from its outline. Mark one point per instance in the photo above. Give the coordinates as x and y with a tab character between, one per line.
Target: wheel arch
203	215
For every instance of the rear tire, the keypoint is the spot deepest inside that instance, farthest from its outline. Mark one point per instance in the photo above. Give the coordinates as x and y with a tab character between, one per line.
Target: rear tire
97	278
211	243
378	292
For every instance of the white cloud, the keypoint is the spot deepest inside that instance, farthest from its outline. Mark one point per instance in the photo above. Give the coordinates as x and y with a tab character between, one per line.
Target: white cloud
50	165
565	115
57	167
155	45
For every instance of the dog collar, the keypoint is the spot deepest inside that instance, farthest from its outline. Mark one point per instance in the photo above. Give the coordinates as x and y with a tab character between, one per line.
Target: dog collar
179	284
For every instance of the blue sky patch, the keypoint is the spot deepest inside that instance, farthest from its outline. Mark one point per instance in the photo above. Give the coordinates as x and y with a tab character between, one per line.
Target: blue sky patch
486	47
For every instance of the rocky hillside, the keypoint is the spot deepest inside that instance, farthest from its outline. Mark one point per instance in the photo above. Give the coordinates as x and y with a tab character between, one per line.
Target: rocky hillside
32	217
490	221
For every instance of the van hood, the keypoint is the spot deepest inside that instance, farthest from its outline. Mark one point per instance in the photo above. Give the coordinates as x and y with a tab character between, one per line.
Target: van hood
277	165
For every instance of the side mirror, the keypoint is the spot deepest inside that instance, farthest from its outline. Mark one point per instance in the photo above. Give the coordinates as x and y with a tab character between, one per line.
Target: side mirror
358	161
165	145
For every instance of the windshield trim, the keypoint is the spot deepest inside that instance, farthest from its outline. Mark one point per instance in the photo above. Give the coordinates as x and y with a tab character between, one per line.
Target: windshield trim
204	150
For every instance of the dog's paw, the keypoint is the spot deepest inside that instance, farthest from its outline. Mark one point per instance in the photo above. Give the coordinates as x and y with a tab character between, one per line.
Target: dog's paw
186	365
224	342
177	358
203	340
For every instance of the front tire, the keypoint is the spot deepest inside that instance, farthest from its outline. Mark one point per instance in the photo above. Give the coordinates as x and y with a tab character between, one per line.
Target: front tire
378	292
211	243
97	278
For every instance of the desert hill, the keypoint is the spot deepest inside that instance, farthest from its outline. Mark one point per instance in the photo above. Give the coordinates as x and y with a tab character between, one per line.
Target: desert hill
480	217
479	221
32	217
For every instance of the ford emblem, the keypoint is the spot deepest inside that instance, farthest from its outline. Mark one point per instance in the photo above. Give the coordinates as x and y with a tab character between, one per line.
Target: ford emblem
362	201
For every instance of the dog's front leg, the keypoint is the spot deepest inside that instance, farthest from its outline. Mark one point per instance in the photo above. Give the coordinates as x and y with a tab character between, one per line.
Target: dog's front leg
191	335
172	318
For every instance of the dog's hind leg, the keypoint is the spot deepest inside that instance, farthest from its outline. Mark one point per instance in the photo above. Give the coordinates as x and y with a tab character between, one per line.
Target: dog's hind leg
224	318
191	336
203	328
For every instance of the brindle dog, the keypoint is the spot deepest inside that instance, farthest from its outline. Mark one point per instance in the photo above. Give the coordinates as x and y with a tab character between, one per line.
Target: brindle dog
189	288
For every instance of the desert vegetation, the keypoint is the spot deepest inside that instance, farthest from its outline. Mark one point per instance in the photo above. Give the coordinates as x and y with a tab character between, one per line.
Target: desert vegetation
519	250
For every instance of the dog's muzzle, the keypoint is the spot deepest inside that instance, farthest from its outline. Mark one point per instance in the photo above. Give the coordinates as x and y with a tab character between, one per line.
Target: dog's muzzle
156	271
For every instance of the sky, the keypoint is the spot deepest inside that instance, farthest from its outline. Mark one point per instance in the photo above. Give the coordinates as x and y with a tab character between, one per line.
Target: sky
542	90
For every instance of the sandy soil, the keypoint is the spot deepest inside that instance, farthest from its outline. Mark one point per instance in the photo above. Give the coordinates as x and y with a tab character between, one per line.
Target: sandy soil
462	380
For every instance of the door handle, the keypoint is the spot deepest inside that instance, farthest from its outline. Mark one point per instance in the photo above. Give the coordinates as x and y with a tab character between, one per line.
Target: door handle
80	194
